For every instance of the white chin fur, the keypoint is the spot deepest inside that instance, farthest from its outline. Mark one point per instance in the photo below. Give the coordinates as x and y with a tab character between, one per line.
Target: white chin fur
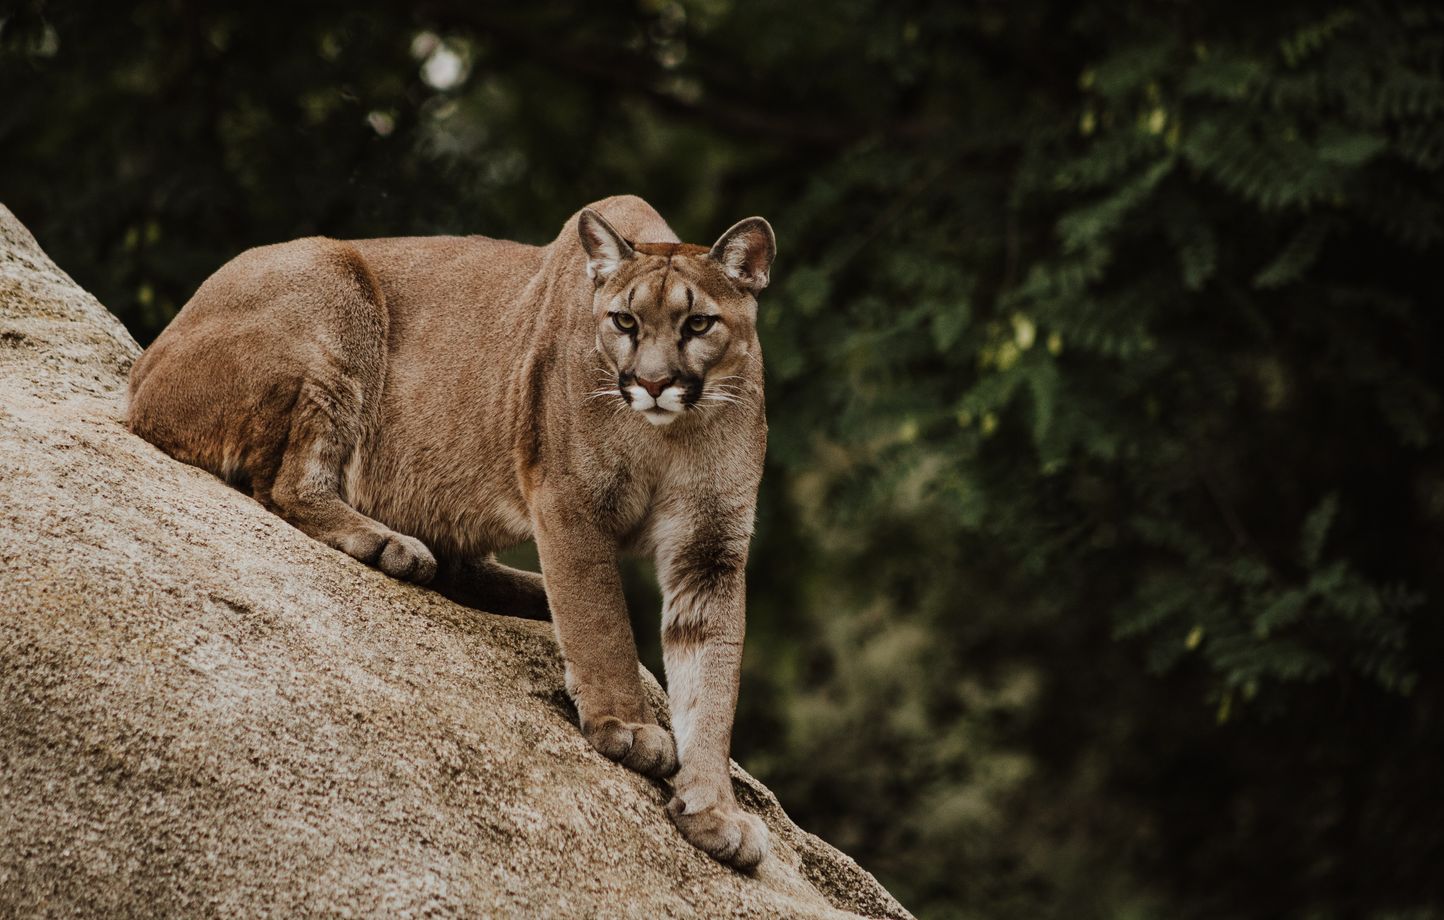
659	417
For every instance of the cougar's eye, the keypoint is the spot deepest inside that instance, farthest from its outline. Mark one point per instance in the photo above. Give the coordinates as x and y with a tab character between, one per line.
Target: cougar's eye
625	322
697	323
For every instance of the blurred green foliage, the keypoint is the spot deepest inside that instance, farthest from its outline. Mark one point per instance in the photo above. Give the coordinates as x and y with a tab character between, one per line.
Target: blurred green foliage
1098	569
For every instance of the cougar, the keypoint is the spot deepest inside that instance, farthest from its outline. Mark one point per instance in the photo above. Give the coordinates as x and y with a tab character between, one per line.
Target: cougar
421	403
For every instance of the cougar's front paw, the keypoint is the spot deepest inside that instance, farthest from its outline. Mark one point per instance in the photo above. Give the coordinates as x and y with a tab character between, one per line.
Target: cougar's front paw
648	749
396	554
406	558
724	832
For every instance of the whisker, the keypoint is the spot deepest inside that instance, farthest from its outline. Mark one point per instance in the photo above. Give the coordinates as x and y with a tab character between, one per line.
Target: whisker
727	398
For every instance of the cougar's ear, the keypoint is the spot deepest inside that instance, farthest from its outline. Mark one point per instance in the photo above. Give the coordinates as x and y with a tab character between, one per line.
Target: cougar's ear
606	250
745	253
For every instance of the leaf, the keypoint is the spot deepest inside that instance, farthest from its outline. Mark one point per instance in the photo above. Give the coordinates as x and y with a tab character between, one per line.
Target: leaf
1043	385
1297	256
1084	226
1315	531
1345	148
949	321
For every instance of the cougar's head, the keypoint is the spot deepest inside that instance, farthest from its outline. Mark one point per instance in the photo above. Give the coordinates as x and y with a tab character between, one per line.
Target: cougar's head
677	323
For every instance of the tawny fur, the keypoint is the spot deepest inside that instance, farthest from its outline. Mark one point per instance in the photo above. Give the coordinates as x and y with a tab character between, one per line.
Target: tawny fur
422	403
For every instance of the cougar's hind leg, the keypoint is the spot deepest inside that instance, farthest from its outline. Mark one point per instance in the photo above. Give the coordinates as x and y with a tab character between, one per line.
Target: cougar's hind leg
307	491
335	407
488	585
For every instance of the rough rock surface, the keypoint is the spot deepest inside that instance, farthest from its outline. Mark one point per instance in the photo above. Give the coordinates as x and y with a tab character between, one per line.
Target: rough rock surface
205	713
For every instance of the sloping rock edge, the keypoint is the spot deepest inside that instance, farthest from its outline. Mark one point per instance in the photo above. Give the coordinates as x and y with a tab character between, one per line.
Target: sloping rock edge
202	712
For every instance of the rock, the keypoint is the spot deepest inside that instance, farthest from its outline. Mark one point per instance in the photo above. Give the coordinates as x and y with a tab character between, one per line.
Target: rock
204	712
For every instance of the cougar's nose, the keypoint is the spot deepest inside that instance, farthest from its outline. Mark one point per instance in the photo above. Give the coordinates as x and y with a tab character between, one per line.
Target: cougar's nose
654	388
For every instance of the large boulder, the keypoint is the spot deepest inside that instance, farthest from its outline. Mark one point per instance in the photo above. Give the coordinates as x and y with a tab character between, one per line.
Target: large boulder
204	712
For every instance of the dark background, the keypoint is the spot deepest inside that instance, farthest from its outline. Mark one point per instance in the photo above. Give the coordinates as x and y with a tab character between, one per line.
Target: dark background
1098	565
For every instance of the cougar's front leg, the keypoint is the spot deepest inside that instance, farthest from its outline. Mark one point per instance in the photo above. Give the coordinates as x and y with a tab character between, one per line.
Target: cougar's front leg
703	621
584	588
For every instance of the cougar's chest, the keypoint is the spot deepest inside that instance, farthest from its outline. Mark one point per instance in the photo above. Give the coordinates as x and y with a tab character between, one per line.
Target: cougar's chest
621	497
